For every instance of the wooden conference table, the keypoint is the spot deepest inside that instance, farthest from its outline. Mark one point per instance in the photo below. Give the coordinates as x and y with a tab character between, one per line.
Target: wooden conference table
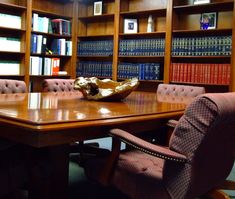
48	122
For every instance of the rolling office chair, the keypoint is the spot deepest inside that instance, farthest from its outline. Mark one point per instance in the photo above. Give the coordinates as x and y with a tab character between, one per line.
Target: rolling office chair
200	155
13	173
67	85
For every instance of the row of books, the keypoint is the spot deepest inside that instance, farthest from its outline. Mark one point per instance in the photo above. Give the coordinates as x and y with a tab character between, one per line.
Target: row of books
47	25
95	48
208	73
39	44
142	47
44	66
202	46
10	21
9	67
142	71
94	68
11	44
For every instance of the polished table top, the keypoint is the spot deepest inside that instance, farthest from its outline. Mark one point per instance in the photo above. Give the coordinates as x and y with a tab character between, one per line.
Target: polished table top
42	112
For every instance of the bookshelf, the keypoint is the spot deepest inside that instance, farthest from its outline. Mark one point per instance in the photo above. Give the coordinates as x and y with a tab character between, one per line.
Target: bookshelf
95	35
120	52
52	40
13	21
199	56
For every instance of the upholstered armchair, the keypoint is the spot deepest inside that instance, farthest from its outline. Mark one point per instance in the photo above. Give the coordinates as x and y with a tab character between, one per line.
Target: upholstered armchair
67	85
12	86
200	155
13	173
58	85
176	93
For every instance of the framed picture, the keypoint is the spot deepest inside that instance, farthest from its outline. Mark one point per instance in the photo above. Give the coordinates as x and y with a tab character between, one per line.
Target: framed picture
208	20
130	26
196	2
98	8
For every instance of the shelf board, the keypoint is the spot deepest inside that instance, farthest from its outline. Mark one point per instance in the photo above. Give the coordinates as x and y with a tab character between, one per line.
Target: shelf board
199	84
95	37
201	59
49	76
143	35
12	53
141	59
99	18
200	8
210	32
96	58
12	30
52	35
51	14
144	13
48	55
12	7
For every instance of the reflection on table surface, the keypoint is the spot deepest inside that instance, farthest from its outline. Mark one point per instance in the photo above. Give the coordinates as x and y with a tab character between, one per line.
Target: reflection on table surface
71	106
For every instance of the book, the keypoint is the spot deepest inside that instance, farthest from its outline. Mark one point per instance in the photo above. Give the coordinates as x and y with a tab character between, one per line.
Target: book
8	67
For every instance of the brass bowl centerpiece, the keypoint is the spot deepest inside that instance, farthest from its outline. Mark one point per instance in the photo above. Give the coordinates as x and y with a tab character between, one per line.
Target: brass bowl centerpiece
107	90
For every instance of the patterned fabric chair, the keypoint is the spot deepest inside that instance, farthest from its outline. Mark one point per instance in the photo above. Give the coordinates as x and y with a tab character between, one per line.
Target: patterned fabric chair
12	86
58	85
200	155
67	85
13	173
175	93
178	93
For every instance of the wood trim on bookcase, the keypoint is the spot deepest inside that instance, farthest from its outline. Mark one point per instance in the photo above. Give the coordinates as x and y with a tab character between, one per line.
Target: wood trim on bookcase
168	38
232	74
28	43
74	40
115	40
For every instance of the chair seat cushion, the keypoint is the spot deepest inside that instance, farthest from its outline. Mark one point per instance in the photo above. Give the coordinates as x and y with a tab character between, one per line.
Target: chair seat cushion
134	166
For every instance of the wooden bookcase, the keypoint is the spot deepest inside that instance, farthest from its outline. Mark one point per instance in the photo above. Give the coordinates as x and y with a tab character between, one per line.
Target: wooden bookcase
7	30
171	19
209	58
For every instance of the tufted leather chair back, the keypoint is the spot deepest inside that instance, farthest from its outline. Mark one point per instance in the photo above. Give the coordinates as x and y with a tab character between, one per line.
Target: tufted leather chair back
58	85
178	93
12	86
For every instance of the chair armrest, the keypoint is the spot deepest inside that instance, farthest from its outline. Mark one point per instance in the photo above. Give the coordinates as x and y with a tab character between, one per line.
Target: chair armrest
146	147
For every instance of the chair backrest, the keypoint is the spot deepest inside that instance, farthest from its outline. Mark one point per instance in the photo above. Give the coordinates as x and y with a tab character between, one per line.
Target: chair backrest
206	135
178	93
12	86
58	85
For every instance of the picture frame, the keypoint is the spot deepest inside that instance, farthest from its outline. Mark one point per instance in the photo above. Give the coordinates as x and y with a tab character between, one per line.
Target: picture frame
208	20
197	2
98	8
130	26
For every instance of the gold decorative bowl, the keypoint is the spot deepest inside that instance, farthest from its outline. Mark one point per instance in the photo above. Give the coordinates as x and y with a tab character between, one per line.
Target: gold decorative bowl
106	90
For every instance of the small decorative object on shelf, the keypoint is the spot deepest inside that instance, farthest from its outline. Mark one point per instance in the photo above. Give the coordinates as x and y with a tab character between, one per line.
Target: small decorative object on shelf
150	26
130	26
196	2
98	8
106	89
208	20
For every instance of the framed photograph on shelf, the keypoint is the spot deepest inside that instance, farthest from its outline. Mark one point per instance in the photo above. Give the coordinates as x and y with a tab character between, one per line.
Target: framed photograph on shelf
130	26
98	8
196	2
208	20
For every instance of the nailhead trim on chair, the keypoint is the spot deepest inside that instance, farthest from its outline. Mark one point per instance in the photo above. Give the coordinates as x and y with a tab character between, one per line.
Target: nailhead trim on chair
152	153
